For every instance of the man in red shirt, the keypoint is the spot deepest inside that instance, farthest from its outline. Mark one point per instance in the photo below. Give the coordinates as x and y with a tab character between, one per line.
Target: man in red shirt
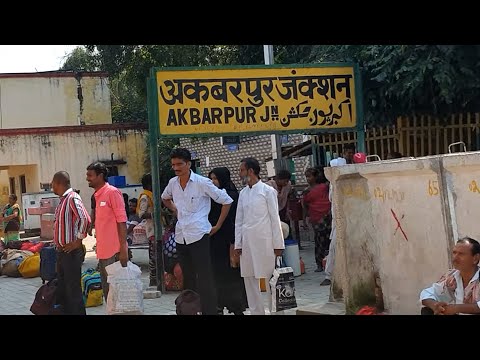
110	221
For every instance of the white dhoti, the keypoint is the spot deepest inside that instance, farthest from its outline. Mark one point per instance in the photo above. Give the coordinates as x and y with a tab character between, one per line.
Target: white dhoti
255	297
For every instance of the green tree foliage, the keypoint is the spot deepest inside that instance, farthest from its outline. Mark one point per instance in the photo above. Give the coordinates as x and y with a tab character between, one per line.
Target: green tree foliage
79	60
129	66
293	54
128	103
396	79
253	54
407	79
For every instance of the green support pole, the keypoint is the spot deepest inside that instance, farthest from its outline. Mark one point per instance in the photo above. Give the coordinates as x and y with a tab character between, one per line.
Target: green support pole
153	139
360	116
361	140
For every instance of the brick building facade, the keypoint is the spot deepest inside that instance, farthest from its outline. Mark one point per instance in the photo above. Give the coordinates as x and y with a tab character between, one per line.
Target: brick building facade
209	154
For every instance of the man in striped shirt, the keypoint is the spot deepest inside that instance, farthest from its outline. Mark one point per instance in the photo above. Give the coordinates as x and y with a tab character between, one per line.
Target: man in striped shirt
71	225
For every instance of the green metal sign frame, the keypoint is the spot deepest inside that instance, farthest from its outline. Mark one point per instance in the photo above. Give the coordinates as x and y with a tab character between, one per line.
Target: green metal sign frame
154	133
358	96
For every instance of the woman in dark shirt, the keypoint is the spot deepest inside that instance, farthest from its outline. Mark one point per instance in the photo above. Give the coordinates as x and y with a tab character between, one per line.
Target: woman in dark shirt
230	286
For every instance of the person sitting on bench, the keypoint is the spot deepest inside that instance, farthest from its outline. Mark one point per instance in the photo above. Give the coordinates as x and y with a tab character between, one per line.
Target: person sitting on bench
458	291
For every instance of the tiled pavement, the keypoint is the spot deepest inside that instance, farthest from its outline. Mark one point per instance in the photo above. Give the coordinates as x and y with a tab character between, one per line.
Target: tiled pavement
17	294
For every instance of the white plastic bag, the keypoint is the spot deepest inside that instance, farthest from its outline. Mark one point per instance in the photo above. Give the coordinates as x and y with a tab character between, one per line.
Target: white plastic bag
282	285
125	294
140	234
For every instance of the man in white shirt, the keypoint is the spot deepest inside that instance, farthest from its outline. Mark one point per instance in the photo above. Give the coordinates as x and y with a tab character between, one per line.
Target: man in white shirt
188	196
258	234
458	291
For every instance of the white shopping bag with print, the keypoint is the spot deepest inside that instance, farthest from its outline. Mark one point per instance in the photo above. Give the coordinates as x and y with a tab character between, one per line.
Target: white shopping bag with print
140	234
125	294
282	285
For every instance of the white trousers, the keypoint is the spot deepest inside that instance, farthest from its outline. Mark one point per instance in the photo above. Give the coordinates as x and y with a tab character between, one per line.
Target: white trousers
255	297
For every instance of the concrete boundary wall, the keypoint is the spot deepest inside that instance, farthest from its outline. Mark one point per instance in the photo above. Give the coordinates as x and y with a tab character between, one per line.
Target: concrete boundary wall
398	220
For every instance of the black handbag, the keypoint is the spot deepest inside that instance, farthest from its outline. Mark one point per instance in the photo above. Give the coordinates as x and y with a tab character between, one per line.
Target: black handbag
12	225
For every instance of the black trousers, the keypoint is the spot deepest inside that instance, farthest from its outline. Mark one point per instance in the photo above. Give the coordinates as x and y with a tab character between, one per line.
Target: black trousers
197	272
152	260
69	289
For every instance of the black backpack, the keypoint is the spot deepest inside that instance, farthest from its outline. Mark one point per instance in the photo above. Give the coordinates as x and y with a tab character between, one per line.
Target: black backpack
188	303
45	300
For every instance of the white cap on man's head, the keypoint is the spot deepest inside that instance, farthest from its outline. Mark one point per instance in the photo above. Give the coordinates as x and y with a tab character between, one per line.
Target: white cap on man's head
338	162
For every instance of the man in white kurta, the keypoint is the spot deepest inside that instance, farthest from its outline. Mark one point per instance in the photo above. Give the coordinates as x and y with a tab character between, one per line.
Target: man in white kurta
258	234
